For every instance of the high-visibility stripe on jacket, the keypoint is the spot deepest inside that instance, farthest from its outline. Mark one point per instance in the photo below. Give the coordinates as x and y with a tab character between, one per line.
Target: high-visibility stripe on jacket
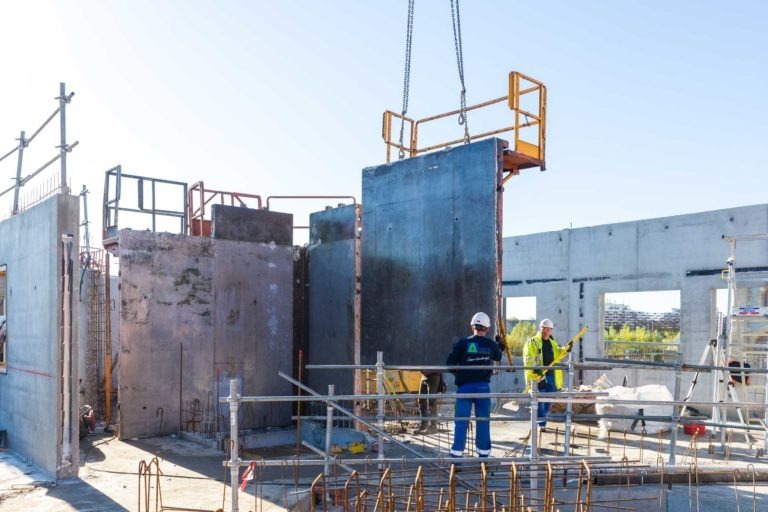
533	356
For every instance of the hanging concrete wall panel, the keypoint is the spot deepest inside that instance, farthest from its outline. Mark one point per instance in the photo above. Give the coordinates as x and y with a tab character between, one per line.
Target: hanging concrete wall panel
34	384
196	312
568	271
430	251
331	297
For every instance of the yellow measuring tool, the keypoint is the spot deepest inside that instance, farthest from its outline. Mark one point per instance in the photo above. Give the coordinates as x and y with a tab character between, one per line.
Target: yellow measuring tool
563	355
503	332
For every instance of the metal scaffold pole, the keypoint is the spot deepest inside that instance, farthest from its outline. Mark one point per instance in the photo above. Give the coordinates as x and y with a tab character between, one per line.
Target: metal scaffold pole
329	430
380	392
234	457
63	148
22	144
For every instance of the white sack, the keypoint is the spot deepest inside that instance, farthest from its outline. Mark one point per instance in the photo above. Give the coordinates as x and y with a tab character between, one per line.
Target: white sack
655	392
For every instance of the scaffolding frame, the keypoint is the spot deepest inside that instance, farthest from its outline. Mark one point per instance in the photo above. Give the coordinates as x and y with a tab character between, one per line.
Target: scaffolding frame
734	347
52	186
112	206
536	460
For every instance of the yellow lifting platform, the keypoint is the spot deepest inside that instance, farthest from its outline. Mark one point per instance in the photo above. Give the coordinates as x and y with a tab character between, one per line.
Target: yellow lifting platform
526	98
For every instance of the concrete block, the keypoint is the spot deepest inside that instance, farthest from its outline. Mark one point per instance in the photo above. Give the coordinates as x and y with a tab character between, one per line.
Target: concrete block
194	313
249	225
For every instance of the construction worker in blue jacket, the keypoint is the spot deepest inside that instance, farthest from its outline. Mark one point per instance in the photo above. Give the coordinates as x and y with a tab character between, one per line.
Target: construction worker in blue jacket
475	350
542	350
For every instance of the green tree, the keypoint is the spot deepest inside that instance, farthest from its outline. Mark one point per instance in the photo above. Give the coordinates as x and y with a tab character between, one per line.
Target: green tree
519	334
639	339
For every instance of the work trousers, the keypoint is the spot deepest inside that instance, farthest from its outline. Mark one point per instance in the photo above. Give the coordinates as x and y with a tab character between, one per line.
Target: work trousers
545	386
482	416
429	385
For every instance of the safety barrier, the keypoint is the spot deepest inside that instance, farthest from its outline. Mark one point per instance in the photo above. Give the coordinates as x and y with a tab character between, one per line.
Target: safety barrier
53	184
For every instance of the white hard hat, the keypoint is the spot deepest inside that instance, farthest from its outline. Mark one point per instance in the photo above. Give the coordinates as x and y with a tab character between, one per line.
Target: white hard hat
546	323
481	319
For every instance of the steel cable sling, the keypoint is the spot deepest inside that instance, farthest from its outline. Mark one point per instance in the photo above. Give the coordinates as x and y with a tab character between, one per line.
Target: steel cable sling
407	75
456	22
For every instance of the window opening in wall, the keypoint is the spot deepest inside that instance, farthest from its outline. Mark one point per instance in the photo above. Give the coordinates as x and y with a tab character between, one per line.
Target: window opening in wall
721	307
642	326
3	317
520	316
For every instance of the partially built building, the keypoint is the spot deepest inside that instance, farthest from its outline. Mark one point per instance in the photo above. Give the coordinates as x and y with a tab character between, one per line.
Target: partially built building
220	328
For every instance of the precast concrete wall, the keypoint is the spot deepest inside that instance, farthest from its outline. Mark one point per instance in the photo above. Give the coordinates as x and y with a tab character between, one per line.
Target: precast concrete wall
331	293
194	313
430	244
249	225
38	384
569	272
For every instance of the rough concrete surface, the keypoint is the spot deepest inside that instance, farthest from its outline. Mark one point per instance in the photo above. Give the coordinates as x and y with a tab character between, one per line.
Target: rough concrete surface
32	389
194	313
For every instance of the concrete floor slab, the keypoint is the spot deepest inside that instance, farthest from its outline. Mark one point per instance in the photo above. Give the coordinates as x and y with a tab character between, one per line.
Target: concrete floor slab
193	476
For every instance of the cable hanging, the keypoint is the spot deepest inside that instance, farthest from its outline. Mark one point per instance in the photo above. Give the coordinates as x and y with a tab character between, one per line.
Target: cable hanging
456	21
407	75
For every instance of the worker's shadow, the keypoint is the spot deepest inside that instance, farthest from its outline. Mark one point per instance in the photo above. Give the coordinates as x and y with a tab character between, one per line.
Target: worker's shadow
89	447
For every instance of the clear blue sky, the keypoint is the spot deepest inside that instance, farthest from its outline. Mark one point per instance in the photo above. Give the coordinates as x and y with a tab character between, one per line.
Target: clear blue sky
656	108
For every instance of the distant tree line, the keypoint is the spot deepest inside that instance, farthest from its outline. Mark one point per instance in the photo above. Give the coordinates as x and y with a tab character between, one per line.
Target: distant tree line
640	339
627	333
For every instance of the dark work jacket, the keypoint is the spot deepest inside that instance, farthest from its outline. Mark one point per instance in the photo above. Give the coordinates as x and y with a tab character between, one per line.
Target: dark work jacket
473	351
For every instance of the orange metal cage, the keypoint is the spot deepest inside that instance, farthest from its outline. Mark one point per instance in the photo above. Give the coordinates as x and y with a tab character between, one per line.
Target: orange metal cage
199	197
525	152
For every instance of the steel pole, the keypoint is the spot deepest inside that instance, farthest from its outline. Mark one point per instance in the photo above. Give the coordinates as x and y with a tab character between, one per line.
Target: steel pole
22	144
63	100
380	392
675	409
568	406
328	430
234	459
534	420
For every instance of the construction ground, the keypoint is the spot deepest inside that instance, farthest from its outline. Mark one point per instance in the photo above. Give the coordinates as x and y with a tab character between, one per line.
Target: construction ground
623	472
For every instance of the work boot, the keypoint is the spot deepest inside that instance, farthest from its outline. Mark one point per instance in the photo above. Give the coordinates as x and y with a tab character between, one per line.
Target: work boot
431	428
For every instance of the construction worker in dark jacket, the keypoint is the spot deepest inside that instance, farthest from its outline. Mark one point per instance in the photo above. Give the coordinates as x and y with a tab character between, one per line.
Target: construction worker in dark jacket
475	350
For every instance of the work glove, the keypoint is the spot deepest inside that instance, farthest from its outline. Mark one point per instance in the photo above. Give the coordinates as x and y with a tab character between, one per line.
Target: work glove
569	347
502	345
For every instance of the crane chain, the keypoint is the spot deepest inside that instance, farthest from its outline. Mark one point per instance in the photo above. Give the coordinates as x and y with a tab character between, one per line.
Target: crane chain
456	21
407	76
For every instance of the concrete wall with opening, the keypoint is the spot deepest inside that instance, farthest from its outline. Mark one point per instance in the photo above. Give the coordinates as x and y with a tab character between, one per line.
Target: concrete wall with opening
569	271
38	378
